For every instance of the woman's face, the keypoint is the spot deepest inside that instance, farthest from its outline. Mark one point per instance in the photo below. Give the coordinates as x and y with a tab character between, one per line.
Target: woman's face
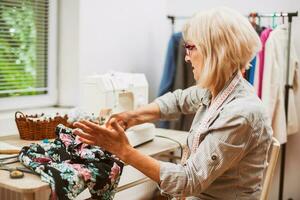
194	57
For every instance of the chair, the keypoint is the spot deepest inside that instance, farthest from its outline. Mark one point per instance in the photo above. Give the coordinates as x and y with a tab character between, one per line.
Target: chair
269	173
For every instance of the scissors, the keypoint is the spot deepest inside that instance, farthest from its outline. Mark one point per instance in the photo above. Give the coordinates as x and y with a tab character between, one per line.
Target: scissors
14	172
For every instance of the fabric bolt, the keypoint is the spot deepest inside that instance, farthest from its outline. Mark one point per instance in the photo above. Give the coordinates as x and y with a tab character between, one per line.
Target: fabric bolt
274	81
230	160
263	37
70	166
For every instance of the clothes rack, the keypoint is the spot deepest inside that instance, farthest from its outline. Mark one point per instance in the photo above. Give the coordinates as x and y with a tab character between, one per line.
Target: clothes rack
290	16
173	18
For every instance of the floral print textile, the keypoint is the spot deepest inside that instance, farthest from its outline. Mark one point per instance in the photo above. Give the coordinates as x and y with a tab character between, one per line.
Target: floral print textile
70	166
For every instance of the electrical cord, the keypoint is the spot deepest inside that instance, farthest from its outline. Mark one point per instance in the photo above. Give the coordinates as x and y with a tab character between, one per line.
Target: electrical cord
181	148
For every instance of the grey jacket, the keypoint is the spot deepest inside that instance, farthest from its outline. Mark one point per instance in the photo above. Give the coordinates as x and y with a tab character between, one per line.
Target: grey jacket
230	160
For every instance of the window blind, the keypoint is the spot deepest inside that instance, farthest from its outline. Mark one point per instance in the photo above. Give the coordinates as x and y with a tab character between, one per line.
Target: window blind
23	47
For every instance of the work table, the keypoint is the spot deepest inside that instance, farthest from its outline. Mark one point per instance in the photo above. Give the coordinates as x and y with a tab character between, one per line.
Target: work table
31	187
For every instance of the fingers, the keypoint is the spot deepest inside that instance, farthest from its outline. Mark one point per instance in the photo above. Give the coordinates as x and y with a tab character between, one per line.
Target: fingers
87	141
108	122
117	127
92	126
123	124
116	118
84	135
96	129
83	127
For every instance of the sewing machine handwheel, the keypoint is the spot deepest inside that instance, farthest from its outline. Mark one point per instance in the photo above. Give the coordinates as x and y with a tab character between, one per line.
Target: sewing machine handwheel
16	174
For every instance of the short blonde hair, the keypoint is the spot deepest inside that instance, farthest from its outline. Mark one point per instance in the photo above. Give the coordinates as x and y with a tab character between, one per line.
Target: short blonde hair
227	42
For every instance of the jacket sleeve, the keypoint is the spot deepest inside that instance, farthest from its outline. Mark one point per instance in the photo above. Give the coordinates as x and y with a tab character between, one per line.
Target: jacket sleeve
181	101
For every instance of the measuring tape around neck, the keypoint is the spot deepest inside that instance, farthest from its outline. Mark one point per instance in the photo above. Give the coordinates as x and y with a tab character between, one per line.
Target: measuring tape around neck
212	110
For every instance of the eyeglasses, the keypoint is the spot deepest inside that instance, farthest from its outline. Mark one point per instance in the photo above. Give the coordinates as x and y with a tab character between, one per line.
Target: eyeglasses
189	48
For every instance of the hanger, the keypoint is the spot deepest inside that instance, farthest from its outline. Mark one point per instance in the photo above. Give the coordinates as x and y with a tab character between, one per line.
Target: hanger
273	21
282	17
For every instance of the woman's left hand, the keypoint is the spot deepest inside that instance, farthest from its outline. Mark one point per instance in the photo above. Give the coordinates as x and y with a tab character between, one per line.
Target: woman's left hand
112	139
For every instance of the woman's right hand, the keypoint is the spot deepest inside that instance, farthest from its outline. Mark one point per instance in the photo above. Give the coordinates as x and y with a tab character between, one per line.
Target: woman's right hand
146	113
124	119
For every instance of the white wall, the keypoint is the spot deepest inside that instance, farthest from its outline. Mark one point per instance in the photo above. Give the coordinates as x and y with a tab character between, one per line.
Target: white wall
68	52
97	36
125	36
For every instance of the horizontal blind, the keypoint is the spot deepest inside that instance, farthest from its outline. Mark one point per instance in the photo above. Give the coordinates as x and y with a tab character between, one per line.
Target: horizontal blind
23	47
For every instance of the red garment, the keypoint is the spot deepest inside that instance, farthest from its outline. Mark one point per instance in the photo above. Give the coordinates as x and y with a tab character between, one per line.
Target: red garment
263	37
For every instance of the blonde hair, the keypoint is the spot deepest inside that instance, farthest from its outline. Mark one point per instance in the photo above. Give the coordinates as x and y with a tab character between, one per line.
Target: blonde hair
227	42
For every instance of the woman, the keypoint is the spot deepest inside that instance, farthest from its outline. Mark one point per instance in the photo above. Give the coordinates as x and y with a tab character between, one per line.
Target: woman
230	135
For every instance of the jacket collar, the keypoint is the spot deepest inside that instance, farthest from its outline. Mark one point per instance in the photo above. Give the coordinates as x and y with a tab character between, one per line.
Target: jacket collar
206	99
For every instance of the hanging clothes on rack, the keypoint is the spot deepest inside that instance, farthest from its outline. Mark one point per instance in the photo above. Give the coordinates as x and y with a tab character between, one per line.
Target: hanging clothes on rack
184	78
256	73
170	64
177	75
263	37
287	84
250	73
169	70
274	80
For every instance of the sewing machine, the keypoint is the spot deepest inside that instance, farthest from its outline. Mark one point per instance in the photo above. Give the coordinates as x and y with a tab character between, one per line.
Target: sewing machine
116	92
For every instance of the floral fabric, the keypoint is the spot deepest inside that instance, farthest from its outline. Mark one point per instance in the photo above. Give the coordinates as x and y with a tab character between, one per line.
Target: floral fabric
70	166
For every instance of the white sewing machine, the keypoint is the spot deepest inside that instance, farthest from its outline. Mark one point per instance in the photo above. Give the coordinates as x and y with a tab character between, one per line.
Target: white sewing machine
117	92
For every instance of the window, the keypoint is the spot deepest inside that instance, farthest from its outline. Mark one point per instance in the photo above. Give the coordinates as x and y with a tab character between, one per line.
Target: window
27	53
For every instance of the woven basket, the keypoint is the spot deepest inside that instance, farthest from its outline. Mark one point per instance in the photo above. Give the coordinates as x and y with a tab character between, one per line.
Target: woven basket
33	127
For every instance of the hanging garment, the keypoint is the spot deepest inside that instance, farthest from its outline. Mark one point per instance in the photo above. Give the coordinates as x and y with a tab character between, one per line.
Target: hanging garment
245	74
297	94
169	71
170	64
70	166
256	74
177	75
251	71
184	78
263	37
274	80
253	76
259	29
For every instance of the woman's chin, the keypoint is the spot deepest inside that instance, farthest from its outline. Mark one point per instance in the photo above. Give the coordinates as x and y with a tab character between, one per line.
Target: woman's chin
196	77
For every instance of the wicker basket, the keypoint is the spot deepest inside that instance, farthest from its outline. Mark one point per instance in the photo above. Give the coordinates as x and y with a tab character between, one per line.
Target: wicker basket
33	127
